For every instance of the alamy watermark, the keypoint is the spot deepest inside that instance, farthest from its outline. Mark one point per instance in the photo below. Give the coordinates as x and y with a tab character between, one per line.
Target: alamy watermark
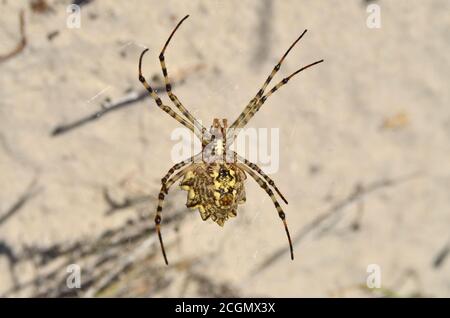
374	277
373	21
73	20
258	145
74	278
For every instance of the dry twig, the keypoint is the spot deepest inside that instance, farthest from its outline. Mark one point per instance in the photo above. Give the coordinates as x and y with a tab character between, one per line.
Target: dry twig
355	196
128	100
440	257
30	192
22	43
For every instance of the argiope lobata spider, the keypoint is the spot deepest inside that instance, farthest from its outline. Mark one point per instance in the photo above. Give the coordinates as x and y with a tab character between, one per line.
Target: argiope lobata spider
214	178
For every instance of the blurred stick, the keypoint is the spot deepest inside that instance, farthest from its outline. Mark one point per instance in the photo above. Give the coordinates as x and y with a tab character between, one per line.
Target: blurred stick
81	2
103	260
353	197
29	193
337	217
139	253
127	100
442	255
114	206
23	40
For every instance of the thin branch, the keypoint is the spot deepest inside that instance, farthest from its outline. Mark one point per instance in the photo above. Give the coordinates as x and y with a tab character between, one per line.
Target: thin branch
128	100
139	253
338	216
7	250
107	254
81	2
355	196
23	40
114	206
28	194
442	255
207	287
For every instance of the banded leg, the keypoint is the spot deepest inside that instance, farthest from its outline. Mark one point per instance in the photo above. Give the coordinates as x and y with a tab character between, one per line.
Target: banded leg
261	101
178	166
265	176
172	96
263	88
159	103
280	211
164	190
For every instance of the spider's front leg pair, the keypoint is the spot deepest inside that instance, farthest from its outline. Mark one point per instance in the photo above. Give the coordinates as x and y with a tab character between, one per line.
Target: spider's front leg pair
256	102
191	123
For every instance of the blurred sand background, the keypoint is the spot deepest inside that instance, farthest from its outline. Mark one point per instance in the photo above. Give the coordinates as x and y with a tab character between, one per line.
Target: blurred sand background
376	110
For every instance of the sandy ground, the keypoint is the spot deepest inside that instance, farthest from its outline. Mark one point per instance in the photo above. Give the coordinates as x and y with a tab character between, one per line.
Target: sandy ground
376	109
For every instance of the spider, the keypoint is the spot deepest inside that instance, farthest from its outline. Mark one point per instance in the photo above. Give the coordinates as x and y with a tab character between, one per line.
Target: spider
214	178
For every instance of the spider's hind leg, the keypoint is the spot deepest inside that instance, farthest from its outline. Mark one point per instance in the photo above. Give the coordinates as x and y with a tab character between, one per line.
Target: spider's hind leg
176	167
280	211
265	176
164	191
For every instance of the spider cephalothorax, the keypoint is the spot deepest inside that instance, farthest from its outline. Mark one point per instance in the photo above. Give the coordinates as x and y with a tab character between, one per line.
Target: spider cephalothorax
214	179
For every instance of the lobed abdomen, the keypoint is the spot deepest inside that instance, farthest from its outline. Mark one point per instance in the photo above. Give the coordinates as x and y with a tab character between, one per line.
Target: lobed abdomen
215	190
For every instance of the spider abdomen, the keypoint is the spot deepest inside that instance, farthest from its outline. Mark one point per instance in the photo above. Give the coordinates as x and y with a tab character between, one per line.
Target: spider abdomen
215	189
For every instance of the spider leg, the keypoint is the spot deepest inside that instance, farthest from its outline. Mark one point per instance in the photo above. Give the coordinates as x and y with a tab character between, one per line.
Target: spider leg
172	96
260	93
261	101
159	103
265	176
280	211
179	165
164	190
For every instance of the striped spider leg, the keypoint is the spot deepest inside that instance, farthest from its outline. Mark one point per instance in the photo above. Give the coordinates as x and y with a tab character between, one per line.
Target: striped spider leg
280	211
249	111
165	187
172	96
191	123
255	167
255	104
